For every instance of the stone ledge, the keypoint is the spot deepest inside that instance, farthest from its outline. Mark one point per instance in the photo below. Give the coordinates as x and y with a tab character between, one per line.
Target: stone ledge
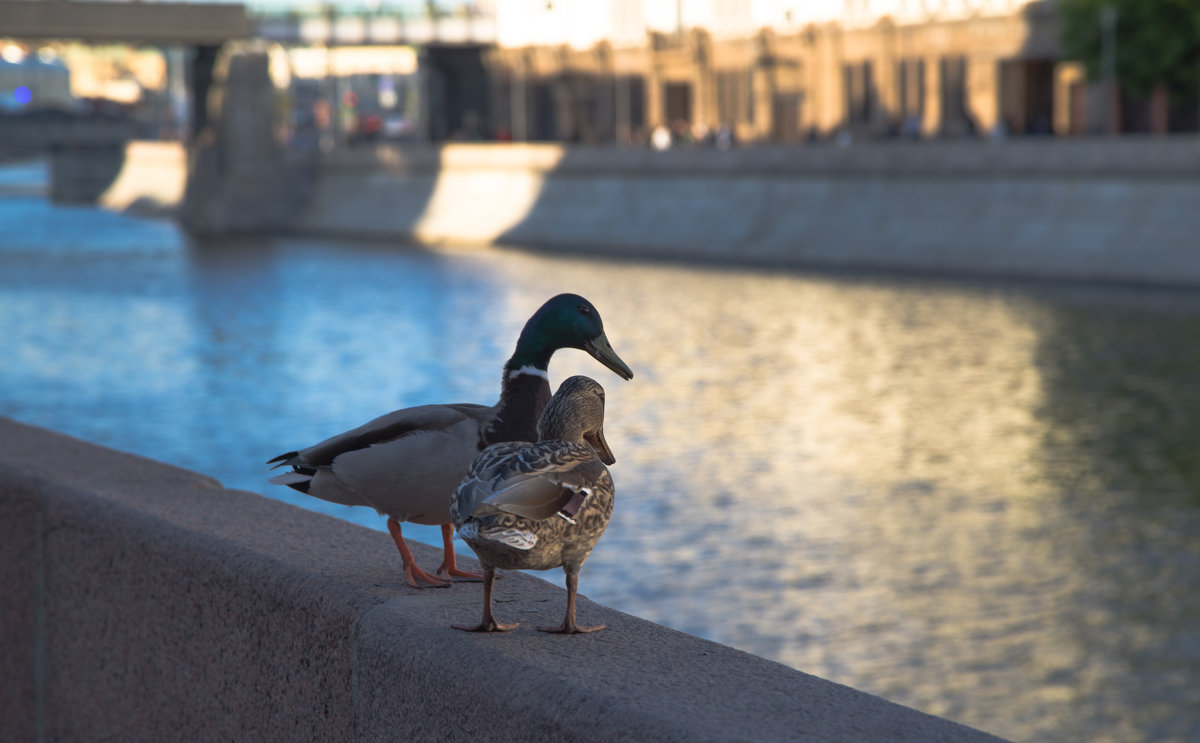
142	600
1129	156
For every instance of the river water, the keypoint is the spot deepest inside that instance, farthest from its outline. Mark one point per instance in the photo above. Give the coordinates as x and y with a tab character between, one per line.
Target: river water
979	499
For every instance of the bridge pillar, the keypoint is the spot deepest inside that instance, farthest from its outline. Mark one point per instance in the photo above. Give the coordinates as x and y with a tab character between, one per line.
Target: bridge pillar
239	181
200	66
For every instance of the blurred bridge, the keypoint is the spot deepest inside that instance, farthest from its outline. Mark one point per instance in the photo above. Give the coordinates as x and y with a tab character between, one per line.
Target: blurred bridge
86	151
367	29
186	23
131	22
203	27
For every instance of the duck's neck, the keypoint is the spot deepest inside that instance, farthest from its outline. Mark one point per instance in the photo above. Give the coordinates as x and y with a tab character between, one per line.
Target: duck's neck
524	394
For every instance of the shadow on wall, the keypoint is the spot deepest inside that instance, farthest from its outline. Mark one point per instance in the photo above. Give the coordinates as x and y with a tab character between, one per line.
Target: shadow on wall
86	151
453	195
82	174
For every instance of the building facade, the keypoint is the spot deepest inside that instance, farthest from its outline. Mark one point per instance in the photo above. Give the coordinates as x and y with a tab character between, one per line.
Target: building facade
779	70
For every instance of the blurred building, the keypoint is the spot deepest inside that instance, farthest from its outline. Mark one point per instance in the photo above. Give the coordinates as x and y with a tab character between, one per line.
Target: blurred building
358	93
389	71
33	80
115	79
780	70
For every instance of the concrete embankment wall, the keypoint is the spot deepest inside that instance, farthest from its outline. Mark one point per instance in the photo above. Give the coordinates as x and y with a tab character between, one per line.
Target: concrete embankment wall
142	602
1121	210
1116	210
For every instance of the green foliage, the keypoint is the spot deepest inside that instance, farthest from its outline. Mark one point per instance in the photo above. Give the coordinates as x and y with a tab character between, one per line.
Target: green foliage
1158	42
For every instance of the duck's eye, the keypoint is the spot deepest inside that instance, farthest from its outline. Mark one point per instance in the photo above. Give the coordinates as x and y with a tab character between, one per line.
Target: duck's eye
584	309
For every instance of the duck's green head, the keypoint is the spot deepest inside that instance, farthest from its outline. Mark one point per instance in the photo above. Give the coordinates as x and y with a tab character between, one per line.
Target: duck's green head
565	321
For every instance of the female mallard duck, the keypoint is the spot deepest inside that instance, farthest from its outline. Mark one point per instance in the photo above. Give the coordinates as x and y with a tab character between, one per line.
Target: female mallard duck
406	464
538	506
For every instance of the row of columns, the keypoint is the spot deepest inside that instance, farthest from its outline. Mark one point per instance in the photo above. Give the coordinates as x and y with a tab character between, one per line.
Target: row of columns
820	83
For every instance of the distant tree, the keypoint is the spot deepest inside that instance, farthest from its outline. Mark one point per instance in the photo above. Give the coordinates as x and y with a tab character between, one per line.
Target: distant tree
1158	43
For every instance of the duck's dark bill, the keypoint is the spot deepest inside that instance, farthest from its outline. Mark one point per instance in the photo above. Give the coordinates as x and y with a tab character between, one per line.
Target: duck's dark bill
599	348
597	442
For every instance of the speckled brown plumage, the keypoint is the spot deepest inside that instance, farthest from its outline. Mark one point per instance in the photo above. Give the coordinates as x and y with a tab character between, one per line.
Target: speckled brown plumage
536	506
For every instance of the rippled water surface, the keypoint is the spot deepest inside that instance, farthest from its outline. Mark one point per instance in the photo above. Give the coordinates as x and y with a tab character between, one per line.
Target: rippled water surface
978	499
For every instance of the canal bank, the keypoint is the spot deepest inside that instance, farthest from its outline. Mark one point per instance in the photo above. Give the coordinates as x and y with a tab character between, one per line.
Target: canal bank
1106	210
1083	209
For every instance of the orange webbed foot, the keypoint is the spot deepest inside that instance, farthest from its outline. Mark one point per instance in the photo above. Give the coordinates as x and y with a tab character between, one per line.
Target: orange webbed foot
452	571
416	576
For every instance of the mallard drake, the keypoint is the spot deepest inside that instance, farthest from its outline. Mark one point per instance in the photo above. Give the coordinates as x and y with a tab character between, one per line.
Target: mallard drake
406	464
543	505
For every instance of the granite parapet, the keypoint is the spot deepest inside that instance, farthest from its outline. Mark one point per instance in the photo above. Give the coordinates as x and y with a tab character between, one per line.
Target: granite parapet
143	601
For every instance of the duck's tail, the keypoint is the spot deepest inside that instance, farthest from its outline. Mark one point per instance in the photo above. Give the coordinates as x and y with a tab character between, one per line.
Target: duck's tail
283	459
300	476
297	480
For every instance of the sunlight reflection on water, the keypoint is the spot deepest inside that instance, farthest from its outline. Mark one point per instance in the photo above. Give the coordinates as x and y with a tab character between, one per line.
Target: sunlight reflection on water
965	497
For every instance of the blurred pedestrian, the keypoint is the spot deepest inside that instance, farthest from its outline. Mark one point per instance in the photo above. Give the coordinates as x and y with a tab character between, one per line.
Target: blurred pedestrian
660	138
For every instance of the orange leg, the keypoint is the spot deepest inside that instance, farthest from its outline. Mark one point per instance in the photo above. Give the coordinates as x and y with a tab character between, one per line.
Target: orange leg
568	626
449	564
411	571
488	623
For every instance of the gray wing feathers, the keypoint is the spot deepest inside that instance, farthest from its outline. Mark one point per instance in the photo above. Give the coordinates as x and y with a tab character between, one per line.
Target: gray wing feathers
390	427
534	481
480	480
531	496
